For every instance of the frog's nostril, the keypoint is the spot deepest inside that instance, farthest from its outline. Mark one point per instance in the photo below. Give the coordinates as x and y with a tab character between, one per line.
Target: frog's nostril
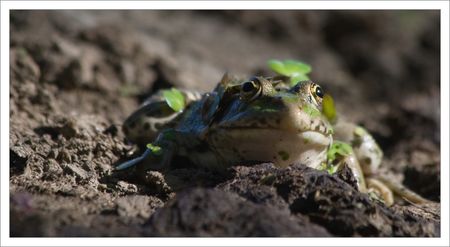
126	130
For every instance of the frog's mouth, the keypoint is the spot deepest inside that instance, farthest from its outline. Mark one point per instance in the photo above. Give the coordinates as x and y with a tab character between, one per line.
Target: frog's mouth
313	136
282	147
292	120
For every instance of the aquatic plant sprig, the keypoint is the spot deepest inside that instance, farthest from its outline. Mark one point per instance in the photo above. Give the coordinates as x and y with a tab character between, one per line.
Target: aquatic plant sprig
175	99
295	70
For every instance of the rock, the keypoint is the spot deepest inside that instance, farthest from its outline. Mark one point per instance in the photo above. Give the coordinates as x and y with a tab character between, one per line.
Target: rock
126	188
156	181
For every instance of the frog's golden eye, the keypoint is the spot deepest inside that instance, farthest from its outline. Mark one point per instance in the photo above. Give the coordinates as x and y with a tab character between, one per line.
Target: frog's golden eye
251	89
317	92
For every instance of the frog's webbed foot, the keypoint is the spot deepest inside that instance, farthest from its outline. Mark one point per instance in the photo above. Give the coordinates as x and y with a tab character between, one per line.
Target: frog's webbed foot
156	156
383	184
157	162
378	186
133	162
381	191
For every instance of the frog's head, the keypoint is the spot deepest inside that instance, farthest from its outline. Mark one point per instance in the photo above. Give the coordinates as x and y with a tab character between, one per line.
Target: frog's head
264	121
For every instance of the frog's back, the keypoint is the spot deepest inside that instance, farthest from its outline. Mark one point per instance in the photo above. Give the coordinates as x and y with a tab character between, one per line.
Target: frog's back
154	115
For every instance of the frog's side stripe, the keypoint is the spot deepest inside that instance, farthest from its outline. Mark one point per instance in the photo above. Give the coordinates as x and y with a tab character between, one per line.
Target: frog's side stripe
134	161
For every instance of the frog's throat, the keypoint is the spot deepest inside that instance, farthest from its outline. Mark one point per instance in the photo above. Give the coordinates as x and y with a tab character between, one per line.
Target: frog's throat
270	145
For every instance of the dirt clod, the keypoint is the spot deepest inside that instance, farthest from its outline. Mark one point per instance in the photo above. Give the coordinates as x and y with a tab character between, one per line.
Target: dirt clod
208	212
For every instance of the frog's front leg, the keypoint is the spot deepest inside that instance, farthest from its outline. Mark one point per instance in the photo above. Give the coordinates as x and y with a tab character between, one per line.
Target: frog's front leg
157	155
351	161
369	156
366	149
365	184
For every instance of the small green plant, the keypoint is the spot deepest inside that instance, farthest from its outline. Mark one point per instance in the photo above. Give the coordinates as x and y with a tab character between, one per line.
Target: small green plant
330	168
296	70
156	150
338	148
175	99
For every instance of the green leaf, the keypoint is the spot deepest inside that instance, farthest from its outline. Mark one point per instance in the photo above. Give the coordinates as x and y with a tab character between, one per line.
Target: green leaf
292	66
296	70
323	166
156	150
277	66
175	99
338	148
289	67
328	108
332	169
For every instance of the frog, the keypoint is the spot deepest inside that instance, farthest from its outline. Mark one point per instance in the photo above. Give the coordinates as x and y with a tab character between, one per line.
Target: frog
253	121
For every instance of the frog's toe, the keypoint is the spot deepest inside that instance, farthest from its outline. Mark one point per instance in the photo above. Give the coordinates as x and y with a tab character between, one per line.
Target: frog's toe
401	191
381	190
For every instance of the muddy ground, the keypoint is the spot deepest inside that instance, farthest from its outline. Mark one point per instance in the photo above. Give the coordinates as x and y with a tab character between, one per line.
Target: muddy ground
76	75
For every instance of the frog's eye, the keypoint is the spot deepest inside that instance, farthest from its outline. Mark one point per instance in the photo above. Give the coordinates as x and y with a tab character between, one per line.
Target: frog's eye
317	92
248	87
251	89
